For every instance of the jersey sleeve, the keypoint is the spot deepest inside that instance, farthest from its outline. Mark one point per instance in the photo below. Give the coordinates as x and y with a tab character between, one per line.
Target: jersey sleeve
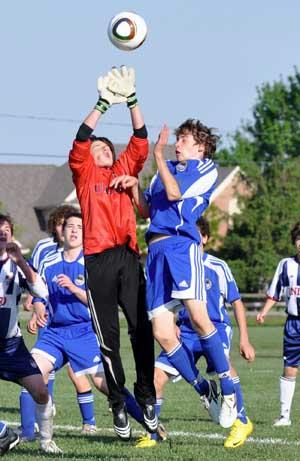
80	159
228	285
275	289
201	181
132	159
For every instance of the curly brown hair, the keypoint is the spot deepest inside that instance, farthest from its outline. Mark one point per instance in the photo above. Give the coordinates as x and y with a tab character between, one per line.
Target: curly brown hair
7	218
203	226
201	133
295	232
57	216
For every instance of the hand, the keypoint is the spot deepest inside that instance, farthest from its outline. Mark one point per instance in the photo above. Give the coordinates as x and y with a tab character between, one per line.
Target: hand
27	304
122	82
260	318
247	351
124	182
106	97
65	282
41	314
162	141
32	325
14	252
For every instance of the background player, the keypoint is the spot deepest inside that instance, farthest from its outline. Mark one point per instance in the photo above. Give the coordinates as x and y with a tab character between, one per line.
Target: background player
16	363
115	275
286	282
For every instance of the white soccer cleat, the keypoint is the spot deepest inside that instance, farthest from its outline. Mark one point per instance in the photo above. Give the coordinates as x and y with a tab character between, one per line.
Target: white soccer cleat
228	412
282	421
49	446
211	402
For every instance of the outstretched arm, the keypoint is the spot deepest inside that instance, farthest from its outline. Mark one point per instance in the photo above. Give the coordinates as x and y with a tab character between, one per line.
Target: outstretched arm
260	318
132	183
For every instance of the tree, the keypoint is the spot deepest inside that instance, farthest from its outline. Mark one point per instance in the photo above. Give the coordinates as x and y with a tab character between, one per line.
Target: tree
267	150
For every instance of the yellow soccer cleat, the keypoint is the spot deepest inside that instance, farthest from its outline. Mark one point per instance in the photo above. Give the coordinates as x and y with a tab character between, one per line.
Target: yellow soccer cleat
145	441
238	434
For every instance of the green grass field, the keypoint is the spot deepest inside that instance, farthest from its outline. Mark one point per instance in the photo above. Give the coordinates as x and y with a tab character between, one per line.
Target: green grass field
192	435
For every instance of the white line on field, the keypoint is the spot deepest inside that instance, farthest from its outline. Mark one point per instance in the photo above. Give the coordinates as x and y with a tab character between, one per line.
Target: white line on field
197	435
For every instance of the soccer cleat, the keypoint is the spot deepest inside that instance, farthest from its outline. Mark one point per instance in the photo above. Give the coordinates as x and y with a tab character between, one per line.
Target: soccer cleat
282	421
49	446
8	441
211	402
228	411
88	429
238	434
121	423
161	432
150	418
145	441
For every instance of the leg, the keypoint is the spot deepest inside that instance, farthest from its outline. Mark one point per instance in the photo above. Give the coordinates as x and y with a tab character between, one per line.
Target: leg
287	384
85	399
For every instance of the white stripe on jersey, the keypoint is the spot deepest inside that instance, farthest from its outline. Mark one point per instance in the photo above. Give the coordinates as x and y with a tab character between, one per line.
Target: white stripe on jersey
219	262
40	246
202	185
286	282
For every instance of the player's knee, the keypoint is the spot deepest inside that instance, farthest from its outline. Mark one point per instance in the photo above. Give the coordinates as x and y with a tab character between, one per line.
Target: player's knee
160	379
41	395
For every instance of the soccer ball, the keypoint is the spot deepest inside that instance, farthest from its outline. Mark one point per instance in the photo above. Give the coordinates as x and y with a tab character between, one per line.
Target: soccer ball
127	31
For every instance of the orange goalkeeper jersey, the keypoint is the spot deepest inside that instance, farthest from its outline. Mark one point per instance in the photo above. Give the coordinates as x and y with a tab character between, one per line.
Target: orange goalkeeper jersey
108	214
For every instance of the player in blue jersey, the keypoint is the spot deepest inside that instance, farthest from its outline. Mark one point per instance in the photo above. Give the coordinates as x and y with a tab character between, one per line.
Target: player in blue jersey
85	397
220	289
178	195
286	282
16	363
69	336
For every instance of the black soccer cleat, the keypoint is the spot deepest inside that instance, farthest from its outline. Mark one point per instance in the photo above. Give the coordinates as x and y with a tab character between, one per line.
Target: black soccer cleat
150	418
121	423
8	441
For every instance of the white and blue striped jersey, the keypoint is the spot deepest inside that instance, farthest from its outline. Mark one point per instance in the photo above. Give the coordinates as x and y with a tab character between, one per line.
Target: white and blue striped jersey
196	180
41	250
221	288
64	307
12	284
286	282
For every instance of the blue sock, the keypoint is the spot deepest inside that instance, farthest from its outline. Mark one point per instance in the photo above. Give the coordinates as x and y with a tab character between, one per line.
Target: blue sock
50	385
158	405
239	400
2	428
132	406
86	405
27	411
213	349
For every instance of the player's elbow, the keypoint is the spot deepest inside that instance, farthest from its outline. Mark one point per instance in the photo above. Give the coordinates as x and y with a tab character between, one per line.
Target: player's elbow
174	196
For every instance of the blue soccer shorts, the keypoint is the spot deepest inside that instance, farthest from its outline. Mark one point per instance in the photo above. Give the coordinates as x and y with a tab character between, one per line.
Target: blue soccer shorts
74	344
191	340
16	362
174	272
291	342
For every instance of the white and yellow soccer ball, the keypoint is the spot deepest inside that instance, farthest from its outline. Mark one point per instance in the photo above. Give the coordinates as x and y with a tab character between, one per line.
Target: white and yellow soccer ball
127	31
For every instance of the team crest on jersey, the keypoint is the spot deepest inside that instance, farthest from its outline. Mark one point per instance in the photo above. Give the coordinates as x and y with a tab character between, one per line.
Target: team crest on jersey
79	280
180	167
208	284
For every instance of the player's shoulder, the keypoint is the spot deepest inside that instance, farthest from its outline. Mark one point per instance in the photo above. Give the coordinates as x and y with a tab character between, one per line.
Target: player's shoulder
52	258
217	263
44	242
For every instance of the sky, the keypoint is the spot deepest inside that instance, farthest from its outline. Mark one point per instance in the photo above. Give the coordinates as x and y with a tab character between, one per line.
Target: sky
201	59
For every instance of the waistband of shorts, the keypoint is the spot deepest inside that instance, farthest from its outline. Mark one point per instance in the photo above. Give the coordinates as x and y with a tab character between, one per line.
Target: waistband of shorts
171	240
293	317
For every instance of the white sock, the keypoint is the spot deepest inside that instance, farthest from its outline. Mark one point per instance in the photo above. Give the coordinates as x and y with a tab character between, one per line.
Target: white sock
287	389
44	418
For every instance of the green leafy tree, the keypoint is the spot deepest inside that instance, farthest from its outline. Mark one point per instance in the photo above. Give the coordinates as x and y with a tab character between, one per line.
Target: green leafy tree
268	151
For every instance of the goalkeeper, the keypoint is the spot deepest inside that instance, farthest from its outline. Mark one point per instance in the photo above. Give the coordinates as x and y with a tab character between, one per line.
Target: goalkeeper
114	273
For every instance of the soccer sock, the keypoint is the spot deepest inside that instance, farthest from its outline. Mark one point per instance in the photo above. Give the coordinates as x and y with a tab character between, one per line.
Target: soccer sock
51	382
213	349
27	412
287	389
2	428
86	405
44	418
180	358
158	405
133	407
239	400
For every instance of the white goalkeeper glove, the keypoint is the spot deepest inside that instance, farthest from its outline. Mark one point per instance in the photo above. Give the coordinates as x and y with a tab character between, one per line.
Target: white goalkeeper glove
122	82
106	97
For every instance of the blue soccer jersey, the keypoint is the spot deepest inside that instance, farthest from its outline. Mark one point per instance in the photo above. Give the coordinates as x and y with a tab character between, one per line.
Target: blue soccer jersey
65	308
41	250
196	180
286	282
220	288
